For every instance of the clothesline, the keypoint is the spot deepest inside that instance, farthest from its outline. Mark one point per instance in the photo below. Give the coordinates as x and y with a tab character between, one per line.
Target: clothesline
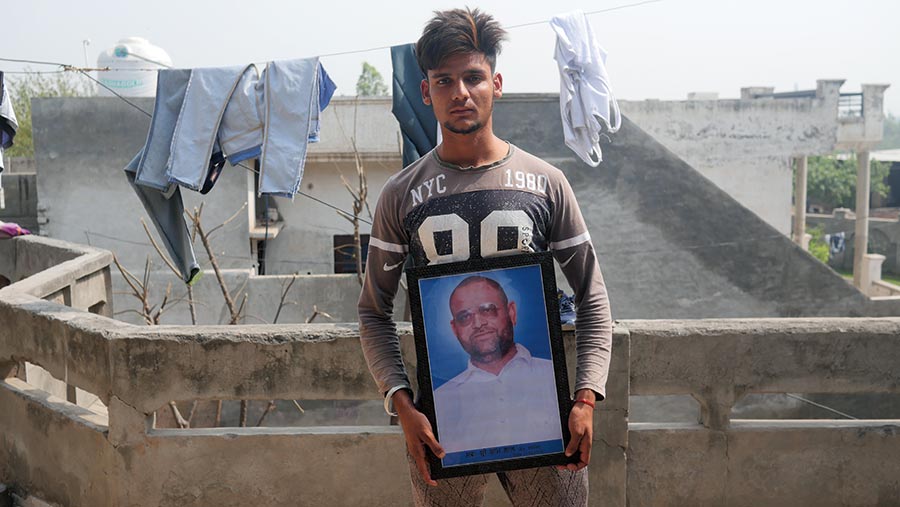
339	53
84	71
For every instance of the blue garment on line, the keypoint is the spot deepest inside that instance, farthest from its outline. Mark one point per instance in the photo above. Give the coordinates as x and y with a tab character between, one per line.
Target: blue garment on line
418	125
167	214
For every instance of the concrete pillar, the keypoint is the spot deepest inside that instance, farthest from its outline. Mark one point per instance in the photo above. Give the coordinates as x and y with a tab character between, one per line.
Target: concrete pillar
861	239
871	272
800	200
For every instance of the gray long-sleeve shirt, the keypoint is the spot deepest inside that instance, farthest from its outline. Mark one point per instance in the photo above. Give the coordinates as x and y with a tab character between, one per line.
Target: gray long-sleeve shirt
437	212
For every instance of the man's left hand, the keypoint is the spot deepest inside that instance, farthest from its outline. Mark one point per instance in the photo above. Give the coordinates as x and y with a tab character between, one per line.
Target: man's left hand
581	427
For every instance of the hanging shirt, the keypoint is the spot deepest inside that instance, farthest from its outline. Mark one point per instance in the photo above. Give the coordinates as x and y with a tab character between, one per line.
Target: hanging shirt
8	127
587	105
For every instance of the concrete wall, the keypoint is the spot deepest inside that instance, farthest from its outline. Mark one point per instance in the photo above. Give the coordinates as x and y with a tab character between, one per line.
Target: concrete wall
73	456
745	145
21	200
671	243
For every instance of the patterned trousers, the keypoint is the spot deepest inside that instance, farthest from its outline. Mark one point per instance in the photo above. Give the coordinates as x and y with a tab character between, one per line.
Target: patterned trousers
534	487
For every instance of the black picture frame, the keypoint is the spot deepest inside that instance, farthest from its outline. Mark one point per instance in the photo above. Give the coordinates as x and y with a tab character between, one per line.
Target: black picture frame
531	315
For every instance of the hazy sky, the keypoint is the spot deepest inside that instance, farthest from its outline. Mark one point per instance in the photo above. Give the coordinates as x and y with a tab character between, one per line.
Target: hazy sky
661	50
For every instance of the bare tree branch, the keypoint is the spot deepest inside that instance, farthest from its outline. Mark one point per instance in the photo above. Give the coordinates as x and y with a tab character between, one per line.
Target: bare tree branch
182	422
269	407
284	293
226	222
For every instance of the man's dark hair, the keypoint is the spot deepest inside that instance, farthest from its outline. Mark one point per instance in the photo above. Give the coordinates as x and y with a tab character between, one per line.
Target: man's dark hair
459	31
482	279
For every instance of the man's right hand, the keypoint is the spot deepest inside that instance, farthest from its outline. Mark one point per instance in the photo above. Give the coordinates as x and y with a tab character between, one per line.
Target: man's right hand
417	431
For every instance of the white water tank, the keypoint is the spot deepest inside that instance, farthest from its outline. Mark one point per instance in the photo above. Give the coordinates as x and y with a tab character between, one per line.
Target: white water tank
132	62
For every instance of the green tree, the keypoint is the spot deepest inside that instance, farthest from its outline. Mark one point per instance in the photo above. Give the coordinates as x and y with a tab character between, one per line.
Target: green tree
370	82
832	182
817	246
891	140
28	86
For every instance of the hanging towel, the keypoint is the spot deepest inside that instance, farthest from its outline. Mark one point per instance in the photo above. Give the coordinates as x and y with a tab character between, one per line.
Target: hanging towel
167	214
587	105
418	126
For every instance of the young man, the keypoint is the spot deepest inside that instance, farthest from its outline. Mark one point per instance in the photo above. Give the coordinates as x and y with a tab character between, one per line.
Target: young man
476	195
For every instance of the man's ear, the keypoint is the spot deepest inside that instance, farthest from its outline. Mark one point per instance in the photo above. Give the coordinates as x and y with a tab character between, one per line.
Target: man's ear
511	310
426	92
498	85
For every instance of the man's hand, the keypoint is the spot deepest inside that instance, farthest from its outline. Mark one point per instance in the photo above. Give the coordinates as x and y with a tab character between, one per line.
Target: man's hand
418	433
581	427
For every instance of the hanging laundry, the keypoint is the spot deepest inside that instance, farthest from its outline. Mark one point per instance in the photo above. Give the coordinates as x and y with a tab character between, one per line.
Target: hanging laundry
167	214
291	101
152	165
837	243
208	94
418	126
587	105
8	128
11	230
205	117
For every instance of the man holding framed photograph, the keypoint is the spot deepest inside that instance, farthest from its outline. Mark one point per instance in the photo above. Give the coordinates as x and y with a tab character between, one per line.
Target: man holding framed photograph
477	196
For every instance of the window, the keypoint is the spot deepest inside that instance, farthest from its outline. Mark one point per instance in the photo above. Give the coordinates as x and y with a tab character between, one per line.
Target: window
345	252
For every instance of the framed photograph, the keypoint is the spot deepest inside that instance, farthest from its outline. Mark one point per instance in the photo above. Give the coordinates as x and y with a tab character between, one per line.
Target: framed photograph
491	363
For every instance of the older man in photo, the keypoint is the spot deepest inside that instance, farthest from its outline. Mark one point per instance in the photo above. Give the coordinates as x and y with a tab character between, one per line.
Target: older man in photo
505	396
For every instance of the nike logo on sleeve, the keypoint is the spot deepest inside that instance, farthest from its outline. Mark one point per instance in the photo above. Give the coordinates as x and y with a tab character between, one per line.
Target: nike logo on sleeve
392	267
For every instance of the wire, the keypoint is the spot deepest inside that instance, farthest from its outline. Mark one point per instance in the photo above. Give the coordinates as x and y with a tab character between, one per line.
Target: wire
83	71
36	62
33	71
610	9
130	103
355	51
139	57
819	405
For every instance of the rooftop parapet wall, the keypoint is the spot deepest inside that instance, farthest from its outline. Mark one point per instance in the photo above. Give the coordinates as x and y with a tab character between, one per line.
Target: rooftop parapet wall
72	456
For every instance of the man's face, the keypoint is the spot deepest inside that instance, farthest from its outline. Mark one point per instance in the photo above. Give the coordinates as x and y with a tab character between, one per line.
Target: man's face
482	322
462	92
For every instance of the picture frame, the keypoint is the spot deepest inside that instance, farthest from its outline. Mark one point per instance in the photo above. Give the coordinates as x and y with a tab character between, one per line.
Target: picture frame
491	363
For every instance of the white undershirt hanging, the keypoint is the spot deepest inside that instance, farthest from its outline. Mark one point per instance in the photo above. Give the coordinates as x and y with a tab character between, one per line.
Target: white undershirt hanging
587	105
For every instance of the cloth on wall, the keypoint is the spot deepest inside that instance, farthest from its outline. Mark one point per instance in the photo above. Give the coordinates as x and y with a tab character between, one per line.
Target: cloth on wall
587	104
418	125
11	230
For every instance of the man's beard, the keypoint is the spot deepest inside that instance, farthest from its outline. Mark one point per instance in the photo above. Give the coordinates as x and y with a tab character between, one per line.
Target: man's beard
475	127
504	343
468	130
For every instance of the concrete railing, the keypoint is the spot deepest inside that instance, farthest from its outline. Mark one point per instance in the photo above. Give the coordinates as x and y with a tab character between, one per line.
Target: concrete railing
74	456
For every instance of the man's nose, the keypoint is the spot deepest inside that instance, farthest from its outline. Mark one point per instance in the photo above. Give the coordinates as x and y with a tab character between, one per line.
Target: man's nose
460	91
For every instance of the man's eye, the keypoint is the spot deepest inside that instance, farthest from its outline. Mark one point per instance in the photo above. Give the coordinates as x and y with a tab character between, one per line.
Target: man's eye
475	79
443	81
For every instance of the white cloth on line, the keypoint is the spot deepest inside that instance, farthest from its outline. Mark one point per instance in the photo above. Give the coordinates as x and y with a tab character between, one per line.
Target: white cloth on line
586	101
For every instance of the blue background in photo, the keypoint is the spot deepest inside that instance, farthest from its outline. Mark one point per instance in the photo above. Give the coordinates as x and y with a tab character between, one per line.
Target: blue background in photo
523	285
